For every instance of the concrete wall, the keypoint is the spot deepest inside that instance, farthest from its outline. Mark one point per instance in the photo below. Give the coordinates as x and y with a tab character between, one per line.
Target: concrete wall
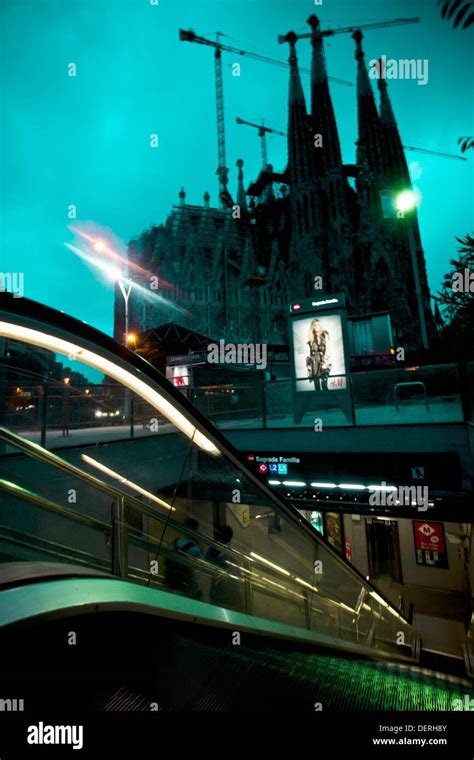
354	531
454	578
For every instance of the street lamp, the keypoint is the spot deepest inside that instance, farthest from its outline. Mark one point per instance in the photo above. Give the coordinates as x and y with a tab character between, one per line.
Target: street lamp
116	276
100	246
406	203
125	285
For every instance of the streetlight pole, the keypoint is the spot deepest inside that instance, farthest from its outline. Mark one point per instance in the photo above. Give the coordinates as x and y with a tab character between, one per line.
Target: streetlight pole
126	295
416	274
406	204
127	400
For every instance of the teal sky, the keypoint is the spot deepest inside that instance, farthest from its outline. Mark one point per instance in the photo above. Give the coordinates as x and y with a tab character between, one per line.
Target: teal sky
85	140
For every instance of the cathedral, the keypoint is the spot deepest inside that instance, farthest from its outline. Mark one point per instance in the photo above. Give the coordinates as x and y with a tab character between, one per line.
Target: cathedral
231	272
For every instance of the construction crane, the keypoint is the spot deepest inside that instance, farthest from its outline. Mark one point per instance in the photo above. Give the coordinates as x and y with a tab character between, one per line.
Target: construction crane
188	35
434	152
262	132
348	29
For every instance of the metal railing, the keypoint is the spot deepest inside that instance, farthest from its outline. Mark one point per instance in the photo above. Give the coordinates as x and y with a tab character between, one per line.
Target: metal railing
468	649
49	412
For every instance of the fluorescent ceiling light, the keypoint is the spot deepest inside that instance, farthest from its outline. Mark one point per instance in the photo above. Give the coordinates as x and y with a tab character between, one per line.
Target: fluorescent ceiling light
274	482
324	485
351	487
382	488
111	369
296	483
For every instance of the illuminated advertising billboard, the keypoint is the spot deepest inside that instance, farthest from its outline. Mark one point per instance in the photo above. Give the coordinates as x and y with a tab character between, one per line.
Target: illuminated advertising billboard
180	376
318	352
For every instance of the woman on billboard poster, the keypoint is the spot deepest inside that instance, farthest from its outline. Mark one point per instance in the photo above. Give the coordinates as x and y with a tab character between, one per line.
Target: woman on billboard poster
318	364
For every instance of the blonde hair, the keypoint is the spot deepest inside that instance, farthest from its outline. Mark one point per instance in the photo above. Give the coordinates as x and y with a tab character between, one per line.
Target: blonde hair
311	329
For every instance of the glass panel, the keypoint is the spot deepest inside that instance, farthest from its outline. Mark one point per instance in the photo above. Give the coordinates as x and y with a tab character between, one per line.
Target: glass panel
195	523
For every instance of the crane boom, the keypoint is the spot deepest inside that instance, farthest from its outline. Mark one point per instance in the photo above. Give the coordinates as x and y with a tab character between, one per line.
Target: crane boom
186	35
434	152
262	128
347	29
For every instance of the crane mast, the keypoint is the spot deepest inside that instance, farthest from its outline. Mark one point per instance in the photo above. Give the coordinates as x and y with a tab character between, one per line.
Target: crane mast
222	170
262	132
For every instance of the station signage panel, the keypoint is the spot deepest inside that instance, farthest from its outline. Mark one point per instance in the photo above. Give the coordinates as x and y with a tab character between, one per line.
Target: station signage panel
430	544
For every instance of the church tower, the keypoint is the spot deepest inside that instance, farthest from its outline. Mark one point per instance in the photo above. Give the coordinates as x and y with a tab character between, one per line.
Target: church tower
329	170
385	269
306	247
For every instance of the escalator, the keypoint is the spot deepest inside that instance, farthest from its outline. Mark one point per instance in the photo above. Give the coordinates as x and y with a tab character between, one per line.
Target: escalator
155	553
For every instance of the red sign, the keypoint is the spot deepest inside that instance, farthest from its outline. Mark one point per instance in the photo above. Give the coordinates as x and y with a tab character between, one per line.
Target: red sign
348	548
430	544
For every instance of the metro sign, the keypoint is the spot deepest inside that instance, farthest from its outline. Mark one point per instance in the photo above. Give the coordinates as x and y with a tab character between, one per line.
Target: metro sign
427	530
430	544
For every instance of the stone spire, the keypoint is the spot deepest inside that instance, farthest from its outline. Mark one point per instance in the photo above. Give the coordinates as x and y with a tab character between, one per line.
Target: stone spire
241	199
300	149
306	258
328	157
328	162
395	154
369	125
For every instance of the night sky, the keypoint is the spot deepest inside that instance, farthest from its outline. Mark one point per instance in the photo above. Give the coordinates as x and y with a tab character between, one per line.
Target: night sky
85	140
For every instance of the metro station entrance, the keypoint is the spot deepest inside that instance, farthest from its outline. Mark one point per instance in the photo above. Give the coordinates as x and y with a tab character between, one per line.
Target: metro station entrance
384	550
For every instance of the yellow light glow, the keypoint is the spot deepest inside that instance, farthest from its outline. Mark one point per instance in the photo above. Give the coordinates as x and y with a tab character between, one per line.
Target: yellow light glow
131	338
109	368
308	585
125	482
379	599
99	246
270	564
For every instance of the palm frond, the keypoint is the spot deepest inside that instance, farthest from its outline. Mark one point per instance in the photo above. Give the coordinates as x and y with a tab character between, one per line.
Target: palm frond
463	9
466	142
